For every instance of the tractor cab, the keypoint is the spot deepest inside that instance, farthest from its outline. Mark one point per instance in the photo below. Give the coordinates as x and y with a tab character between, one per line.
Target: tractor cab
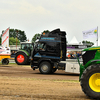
27	46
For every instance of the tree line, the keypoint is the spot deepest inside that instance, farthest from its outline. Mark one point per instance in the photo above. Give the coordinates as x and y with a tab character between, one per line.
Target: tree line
16	35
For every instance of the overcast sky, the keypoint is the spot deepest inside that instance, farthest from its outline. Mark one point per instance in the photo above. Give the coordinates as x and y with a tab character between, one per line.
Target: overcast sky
35	16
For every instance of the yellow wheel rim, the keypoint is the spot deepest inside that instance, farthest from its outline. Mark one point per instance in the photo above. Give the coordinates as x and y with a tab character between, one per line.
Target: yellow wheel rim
94	82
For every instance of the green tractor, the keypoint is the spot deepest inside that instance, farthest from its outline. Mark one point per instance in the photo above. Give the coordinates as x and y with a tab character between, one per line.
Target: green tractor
22	57
90	72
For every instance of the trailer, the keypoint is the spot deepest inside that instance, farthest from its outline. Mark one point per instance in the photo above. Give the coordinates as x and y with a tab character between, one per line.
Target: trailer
5	55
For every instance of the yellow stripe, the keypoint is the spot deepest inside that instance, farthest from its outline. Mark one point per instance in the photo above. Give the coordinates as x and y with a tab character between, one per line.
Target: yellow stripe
93	48
61	54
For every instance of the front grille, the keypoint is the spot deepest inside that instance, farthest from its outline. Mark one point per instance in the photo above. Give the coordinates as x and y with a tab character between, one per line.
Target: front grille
88	56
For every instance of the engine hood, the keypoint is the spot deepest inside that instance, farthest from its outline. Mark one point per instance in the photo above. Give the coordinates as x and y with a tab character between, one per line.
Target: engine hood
91	48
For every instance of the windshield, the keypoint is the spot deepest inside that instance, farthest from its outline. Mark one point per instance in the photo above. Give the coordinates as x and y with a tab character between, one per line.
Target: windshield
26	45
40	46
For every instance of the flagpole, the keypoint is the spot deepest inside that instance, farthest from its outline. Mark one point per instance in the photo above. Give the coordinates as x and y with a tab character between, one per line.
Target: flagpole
97	35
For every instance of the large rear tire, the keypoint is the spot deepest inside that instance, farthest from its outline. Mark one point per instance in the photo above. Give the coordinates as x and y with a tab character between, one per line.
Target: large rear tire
90	81
21	58
45	68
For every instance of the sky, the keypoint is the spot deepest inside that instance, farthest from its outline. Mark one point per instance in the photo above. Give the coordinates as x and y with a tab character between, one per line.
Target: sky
35	16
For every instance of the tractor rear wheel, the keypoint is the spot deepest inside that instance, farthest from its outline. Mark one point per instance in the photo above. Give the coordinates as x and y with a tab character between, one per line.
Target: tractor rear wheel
21	58
90	81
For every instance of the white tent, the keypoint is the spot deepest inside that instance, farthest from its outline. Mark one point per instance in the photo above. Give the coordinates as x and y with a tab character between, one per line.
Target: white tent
74	41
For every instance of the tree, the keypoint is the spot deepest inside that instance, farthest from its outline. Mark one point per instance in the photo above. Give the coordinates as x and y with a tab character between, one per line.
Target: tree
38	35
45	31
88	43
35	37
21	36
12	41
16	33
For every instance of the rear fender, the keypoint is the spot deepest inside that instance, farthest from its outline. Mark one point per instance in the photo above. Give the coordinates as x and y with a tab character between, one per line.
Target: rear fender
89	63
82	68
23	52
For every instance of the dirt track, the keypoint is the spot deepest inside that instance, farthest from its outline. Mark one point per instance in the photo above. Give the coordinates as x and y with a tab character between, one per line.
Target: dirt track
22	83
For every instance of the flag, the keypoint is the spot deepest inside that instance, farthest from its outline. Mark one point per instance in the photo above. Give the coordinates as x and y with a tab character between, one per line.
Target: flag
92	33
5	38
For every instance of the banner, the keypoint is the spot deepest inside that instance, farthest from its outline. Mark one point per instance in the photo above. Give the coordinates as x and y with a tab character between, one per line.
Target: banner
92	33
5	50
5	38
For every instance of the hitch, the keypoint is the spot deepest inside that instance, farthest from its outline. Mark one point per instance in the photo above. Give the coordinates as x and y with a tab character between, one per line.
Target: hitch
32	67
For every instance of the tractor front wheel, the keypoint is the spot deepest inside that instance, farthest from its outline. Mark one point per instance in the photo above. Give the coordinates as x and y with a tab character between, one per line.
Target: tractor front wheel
90	81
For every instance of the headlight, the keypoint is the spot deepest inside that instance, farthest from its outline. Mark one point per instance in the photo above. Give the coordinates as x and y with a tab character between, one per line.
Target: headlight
83	52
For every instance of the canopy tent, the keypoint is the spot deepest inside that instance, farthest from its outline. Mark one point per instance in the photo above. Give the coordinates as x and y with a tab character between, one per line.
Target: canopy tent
74	45
74	41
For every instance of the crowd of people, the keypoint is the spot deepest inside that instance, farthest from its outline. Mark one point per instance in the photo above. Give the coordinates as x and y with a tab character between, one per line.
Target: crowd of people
73	54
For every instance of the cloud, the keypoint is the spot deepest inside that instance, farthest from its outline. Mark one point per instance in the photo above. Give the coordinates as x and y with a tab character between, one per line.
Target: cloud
34	16
22	7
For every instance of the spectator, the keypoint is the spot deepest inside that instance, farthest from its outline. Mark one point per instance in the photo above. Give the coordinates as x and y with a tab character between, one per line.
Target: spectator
79	54
13	54
74	55
69	55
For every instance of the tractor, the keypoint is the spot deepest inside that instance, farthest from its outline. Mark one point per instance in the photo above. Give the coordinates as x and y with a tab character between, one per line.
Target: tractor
90	72
22	57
